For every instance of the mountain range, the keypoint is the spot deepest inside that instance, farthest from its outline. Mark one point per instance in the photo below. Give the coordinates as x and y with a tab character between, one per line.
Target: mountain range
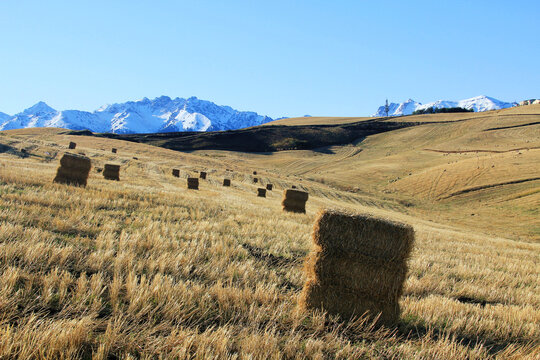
164	114
161	114
478	103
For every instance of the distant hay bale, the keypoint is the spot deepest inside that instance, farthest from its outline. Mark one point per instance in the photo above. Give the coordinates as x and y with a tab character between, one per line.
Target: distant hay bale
255	180
111	172
202	175
176	172
357	266
73	170
72	145
294	200
269	187
193	183
261	192
114	150
226	182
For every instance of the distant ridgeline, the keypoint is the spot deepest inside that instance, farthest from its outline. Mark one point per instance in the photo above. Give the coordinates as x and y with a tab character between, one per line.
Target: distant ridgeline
434	110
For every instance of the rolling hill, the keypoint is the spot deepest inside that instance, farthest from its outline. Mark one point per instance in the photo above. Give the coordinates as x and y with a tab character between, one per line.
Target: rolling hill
145	268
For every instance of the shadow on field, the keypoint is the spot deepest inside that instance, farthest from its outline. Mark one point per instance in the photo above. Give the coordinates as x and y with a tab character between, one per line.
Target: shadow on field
416	330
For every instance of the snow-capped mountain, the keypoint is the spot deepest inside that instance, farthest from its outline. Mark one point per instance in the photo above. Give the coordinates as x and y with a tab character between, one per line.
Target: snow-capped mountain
478	103
161	114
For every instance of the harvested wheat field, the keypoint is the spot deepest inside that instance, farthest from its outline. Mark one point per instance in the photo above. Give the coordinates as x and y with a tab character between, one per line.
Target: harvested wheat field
145	268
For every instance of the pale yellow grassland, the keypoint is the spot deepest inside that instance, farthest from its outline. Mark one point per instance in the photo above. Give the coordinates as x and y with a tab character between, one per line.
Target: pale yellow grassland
144	268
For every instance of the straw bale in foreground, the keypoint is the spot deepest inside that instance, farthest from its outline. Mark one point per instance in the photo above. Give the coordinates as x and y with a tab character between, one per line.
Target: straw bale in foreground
358	266
73	170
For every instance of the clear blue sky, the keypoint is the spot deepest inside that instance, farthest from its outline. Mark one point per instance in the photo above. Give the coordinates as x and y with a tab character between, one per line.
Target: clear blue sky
279	58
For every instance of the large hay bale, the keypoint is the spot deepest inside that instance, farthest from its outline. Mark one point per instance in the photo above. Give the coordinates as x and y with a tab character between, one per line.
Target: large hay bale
202	175
261	192
269	187
294	200
176	172
73	170
114	150
226	182
111	172
72	145
358	266
193	183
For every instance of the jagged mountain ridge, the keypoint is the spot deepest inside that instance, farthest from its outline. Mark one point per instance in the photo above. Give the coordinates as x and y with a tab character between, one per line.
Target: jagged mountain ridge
161	114
478	104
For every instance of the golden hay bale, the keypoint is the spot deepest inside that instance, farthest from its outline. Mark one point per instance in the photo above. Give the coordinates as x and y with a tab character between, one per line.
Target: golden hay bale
255	180
202	175
261	192
176	172
111	172
363	274
73	170
358	266
193	183
72	145
347	303
294	200
226	182
364	234
269	187
114	150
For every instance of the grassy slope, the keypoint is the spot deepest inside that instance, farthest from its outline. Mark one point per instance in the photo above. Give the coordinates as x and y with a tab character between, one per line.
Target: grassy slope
145	267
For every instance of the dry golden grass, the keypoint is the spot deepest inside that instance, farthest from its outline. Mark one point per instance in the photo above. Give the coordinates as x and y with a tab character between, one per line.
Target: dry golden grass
144	268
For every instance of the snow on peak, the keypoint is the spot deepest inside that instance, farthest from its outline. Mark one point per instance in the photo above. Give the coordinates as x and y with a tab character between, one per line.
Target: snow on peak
161	114
39	108
477	103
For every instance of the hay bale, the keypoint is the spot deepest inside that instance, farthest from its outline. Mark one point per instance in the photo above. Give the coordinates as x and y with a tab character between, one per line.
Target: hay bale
73	170
72	145
226	182
193	183
176	172
111	172
358	266
114	150
261	192
202	175
269	187
294	200
255	180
